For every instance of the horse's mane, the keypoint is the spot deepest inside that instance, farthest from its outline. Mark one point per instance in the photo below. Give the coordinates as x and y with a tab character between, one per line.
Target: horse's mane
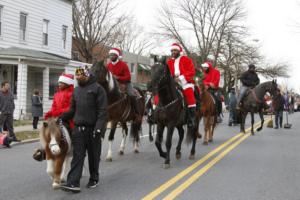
49	126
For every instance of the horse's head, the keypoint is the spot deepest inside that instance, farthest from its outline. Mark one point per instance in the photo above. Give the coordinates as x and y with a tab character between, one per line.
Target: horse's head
272	87
104	77
160	74
51	135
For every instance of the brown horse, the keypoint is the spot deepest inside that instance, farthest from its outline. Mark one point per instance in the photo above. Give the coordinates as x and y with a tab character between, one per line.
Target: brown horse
56	141
119	108
208	113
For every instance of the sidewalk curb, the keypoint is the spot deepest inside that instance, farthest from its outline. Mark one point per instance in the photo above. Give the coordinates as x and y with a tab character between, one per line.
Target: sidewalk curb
25	142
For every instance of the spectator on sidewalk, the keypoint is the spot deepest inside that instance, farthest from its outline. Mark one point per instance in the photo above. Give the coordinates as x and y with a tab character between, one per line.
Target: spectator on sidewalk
37	108
278	107
5	140
7	107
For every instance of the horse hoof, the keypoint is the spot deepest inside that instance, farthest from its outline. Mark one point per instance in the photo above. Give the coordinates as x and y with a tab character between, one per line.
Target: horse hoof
252	133
192	157
136	151
178	156
259	129
108	159
199	136
166	166
121	153
211	140
55	186
205	143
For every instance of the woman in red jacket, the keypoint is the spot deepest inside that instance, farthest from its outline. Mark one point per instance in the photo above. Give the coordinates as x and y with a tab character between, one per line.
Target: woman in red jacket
61	103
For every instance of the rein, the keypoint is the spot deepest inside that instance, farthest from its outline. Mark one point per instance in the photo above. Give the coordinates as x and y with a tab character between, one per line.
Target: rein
117	102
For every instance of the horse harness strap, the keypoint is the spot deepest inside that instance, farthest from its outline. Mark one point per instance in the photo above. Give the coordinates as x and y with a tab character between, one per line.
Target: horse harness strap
169	104
117	102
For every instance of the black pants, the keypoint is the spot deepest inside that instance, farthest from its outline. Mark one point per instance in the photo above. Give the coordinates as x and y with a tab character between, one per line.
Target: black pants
7	120
35	122
278	118
83	139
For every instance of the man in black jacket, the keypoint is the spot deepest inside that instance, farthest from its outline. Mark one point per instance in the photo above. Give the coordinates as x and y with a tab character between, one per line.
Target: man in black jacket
88	109
249	79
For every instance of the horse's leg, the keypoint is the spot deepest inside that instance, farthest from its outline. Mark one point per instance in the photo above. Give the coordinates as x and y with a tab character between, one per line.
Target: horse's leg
150	132
135	129
125	133
58	165
181	135
252	123
158	140
110	140
244	115
261	115
50	167
168	146
193	149
206	130
213	120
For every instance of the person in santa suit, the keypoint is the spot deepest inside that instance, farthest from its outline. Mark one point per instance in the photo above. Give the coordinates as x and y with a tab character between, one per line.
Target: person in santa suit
211	81
61	103
121	73
183	71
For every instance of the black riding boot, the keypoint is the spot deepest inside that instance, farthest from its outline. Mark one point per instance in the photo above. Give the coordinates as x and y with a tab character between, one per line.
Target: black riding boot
191	120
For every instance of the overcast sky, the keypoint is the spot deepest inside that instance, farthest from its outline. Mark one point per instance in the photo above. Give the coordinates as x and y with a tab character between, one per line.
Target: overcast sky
272	22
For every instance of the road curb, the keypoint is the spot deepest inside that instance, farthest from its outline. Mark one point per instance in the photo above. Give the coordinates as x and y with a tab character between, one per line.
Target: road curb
25	142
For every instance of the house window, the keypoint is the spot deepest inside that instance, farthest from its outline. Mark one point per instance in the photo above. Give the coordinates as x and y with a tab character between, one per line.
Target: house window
45	32
64	36
23	26
1	11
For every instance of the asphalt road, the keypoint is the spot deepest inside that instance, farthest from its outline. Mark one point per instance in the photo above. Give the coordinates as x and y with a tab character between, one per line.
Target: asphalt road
261	167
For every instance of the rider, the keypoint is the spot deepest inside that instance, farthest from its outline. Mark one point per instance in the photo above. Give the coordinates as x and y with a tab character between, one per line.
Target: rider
183	71
61	103
120	71
211	81
249	80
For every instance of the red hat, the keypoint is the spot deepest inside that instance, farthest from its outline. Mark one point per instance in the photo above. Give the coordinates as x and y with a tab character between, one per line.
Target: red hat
115	51
176	46
67	79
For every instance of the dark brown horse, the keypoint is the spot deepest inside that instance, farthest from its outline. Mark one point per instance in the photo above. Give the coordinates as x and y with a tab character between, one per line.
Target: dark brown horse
209	114
253	102
170	112
119	109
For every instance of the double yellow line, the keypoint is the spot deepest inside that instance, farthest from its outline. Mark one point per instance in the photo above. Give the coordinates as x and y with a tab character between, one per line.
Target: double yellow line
236	140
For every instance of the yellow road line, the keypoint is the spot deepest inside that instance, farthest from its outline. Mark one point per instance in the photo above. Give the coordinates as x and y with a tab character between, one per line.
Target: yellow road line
204	169
186	171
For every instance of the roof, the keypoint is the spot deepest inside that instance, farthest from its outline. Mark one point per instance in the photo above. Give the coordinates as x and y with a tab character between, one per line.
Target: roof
28	54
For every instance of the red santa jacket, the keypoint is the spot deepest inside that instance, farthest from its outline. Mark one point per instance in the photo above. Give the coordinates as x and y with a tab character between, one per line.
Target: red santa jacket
61	103
182	67
121	70
212	76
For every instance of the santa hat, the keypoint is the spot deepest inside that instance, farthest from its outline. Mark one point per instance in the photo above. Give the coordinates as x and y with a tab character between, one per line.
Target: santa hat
116	51
67	79
176	46
206	65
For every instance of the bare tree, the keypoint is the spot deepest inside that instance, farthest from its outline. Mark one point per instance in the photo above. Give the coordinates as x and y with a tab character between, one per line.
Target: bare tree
133	38
95	23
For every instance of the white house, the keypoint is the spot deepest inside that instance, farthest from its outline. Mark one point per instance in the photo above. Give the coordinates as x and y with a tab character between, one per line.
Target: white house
35	48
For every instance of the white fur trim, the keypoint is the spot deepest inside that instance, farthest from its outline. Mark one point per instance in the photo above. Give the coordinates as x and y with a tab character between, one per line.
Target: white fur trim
205	65
188	85
111	84
182	80
66	80
114	52
193	105
175	47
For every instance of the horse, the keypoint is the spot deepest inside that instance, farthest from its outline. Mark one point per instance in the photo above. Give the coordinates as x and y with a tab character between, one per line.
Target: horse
119	108
170	112
253	102
209	114
56	141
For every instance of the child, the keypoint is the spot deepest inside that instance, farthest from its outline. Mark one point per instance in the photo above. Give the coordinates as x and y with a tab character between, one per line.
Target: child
5	140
